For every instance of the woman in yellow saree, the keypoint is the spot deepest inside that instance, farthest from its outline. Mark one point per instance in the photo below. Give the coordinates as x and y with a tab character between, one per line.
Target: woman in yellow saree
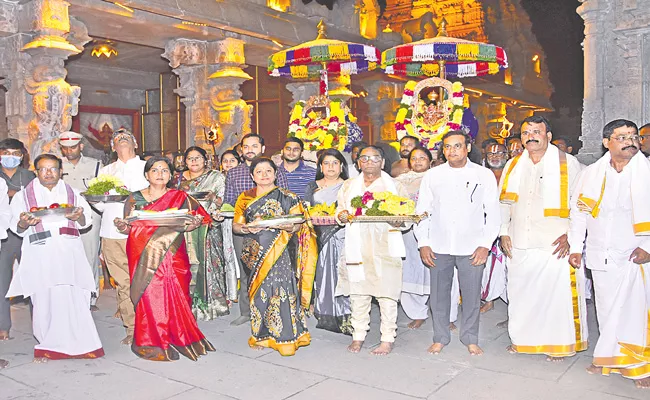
282	260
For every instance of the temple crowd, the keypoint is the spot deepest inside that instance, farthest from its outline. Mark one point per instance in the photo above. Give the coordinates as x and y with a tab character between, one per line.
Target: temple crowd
520	220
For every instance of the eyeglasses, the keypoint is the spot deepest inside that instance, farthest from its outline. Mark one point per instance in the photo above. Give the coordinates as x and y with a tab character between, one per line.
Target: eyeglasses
624	138
192	159
374	159
44	170
496	154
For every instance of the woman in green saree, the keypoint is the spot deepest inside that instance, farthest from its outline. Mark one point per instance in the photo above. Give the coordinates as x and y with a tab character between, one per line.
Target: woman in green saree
282	260
205	244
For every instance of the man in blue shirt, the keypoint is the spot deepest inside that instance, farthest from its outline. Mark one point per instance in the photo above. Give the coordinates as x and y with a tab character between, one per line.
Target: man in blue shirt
298	174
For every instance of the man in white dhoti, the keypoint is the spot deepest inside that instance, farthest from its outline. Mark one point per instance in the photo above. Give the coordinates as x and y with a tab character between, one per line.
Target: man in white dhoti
546	303
461	200
54	271
494	281
77	171
610	206
373	255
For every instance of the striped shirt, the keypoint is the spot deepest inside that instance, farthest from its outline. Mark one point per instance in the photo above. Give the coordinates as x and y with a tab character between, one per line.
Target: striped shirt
299	178
239	180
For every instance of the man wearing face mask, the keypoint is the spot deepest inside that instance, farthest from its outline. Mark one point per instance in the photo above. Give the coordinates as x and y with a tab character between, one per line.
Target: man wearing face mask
77	171
16	177
129	168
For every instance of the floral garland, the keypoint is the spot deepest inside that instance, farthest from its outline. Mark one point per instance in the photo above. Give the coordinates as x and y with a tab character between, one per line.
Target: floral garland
332	132
430	136
382	204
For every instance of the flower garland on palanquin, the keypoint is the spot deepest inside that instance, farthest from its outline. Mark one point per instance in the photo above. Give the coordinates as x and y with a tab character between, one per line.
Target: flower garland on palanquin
317	133
430	135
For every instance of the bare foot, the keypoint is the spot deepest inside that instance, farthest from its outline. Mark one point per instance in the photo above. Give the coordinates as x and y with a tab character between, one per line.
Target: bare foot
39	360
487	306
594	370
128	340
554	359
642	383
452	327
94	308
435	348
355	346
416	323
510	349
503	324
383	349
475	350
4	335
4	364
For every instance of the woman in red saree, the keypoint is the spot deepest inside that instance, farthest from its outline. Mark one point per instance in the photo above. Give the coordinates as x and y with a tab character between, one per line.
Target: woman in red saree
160	272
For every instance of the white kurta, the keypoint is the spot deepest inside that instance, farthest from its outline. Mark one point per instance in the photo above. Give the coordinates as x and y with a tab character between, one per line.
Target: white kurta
380	272
56	274
547	310
622	288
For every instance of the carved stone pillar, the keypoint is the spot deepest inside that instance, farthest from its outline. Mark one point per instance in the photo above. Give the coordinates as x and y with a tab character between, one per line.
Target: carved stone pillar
40	103
383	99
593	116
210	75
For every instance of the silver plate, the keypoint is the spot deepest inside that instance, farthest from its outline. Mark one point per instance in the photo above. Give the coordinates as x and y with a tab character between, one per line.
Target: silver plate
171	221
282	220
105	198
52	211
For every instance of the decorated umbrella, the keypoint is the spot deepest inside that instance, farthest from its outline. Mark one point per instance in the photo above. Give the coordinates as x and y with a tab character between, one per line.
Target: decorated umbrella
319	58
443	56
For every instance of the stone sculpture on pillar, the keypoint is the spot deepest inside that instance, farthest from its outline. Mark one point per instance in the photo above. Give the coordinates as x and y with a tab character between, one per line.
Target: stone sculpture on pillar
210	75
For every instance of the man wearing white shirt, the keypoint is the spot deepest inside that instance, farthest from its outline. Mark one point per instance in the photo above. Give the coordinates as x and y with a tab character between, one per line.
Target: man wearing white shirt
54	271
461	199
546	302
129	168
610	207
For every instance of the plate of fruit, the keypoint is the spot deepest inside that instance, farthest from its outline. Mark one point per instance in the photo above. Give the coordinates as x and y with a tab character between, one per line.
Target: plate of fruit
53	209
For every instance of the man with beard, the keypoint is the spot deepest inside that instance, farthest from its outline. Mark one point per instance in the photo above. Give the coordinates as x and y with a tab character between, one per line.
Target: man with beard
77	171
546	302
298	174
494	275
406	144
238	180
129	169
644	139
610	207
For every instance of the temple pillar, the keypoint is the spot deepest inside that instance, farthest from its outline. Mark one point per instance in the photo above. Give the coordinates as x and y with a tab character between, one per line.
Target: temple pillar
210	75
40	103
383	99
593	116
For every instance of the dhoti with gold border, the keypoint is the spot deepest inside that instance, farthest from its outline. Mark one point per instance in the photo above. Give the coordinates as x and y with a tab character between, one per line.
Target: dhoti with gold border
547	309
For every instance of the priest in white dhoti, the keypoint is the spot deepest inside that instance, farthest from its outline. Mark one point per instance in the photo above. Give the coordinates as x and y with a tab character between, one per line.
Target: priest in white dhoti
610	207
54	271
546	303
373	255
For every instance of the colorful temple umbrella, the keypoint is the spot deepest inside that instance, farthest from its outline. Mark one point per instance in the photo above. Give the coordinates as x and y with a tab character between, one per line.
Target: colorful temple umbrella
322	57
443	56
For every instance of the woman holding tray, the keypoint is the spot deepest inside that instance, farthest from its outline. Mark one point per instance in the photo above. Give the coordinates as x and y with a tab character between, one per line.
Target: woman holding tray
282	260
160	270
205	245
331	311
229	160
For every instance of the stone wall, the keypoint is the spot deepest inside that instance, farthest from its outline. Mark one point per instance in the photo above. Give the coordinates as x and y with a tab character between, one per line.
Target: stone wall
617	68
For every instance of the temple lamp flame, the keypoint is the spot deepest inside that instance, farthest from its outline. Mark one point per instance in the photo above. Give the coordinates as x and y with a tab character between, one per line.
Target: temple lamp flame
506	126
104	49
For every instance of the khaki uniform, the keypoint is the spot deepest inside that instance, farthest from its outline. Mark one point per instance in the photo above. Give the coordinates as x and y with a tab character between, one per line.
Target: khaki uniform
78	177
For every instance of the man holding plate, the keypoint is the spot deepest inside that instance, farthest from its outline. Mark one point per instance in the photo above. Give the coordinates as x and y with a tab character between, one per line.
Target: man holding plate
54	271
